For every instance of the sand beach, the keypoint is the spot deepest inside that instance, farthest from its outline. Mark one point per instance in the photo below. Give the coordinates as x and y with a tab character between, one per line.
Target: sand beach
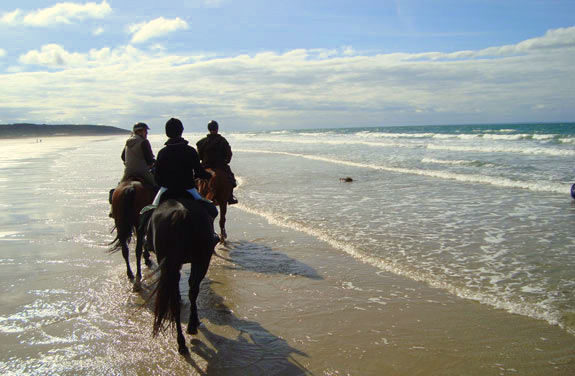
292	292
277	301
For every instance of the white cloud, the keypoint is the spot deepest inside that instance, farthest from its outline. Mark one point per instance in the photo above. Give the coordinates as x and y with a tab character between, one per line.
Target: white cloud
52	55
59	13
2	52
301	87
553	39
557	39
155	28
55	56
13	17
98	31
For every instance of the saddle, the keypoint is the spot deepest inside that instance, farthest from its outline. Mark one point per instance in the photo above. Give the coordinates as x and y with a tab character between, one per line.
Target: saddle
182	196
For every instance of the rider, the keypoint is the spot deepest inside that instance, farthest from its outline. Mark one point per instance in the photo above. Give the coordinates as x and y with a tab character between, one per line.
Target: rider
138	156
215	152
178	165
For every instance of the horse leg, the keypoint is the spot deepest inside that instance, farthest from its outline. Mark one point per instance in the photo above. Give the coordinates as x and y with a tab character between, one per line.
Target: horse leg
182	349
142	229
198	272
147	258
126	254
223	211
139	246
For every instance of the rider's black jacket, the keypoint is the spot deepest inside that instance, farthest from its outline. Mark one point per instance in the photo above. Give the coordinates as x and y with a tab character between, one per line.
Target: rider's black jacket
178	165
214	151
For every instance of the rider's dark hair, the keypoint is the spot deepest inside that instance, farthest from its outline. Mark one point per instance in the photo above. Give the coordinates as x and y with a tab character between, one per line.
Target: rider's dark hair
174	128
213	125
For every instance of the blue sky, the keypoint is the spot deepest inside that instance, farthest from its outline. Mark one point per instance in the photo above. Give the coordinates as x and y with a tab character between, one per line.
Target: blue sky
295	64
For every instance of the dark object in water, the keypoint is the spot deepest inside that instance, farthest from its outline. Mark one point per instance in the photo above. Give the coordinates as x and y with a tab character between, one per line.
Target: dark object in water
347	179
573	191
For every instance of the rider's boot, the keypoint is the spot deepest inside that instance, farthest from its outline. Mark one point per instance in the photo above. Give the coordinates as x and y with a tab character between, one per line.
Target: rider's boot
232	200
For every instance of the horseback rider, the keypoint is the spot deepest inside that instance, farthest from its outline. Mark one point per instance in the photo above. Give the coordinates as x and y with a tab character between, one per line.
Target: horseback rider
138	156
215	152
138	159
178	165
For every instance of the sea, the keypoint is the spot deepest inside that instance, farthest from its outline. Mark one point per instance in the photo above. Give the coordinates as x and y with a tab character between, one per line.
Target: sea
482	213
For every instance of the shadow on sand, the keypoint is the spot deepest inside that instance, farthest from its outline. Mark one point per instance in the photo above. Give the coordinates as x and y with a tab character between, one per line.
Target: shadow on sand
263	259
251	349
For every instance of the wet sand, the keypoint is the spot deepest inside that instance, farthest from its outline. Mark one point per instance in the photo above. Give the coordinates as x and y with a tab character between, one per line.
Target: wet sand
280	302
276	301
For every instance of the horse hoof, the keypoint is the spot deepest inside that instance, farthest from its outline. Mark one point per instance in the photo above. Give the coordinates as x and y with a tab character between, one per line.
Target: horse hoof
137	286
183	350
148	263
193	330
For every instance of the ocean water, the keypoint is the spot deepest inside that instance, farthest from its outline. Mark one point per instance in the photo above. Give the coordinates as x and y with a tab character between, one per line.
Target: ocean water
482	213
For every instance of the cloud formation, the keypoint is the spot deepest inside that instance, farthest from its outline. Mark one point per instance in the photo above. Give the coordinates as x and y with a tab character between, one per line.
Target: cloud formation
55	56
299	88
60	13
156	28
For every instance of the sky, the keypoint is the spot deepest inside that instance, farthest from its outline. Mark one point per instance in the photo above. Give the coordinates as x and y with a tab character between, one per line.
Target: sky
270	65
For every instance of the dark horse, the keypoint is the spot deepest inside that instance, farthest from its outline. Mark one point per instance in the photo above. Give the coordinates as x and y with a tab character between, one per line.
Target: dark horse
217	189
128	199
181	232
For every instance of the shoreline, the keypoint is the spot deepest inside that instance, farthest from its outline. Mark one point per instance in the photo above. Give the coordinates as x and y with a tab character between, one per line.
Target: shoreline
61	135
327	313
30	130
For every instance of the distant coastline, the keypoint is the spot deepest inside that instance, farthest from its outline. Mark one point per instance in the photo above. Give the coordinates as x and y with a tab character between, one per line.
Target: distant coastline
21	130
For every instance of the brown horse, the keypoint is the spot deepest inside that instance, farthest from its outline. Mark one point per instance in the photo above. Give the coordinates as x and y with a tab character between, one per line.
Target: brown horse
128	199
181	232
218	189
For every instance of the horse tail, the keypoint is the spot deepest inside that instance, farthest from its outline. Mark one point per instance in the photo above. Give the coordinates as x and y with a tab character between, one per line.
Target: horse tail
124	225
167	291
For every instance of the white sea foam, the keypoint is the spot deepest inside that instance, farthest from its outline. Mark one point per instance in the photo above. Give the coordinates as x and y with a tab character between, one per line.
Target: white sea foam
494	298
567	140
372	142
460	136
467	178
6	234
455	162
315	141
367	134
504	149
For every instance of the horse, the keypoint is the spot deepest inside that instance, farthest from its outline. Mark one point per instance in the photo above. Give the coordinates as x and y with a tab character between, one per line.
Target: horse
128	199
181	231
217	189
